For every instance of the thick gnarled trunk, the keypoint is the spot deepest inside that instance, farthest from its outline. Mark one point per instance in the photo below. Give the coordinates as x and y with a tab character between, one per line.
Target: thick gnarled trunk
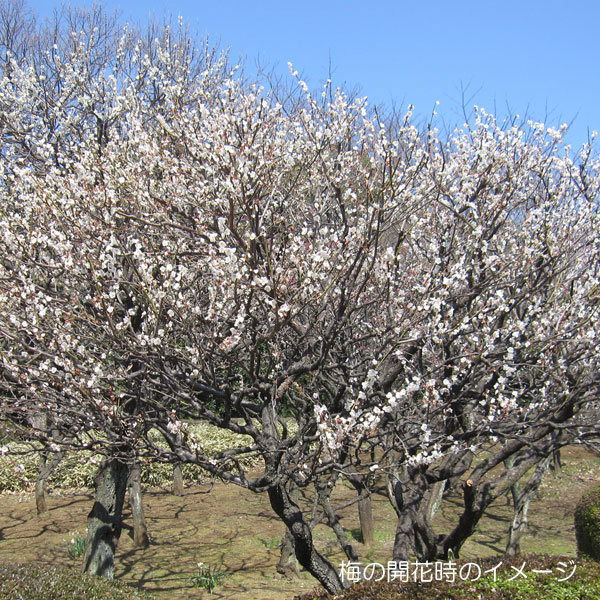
287	509
316	564
406	490
105	519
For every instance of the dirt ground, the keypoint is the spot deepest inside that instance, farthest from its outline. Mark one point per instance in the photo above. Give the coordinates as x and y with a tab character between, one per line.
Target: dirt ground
236	531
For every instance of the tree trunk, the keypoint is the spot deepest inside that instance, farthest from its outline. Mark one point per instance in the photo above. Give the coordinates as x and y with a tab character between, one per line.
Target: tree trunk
435	499
365	510
105	519
406	490
41	504
288	565
476	500
318	566
177	480
403	538
324	494
515	488
40	485
46	468
177	488
289	512
556	463
140	531
519	522
517	528
365	518
39	422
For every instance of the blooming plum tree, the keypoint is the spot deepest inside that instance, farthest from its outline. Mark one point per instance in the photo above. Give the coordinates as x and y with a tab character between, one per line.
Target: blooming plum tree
359	299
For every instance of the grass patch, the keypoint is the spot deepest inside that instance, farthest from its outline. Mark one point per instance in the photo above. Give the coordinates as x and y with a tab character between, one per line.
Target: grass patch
37	582
505	584
379	535
208	577
272	543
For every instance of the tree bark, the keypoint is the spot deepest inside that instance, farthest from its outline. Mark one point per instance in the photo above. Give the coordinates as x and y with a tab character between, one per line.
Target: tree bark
177	488
41	503
46	468
105	519
365	510
39	422
365	518
403	538
140	531
324	490
515	488
435	499
177	480
406	490
475	502
288	565
316	564
521	508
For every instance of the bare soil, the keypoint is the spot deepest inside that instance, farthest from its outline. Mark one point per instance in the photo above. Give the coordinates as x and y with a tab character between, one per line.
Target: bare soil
236	531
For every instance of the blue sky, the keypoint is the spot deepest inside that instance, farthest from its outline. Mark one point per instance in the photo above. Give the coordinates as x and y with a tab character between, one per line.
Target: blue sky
540	58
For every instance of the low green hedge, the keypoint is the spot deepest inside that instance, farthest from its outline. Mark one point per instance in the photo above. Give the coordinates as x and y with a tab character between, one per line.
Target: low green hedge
587	524
37	582
18	473
584	584
76	471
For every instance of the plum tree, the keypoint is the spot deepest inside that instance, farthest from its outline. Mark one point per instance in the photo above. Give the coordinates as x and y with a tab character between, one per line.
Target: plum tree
359	297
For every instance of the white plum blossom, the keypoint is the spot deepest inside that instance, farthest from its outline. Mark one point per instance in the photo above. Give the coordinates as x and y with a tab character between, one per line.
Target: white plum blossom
179	244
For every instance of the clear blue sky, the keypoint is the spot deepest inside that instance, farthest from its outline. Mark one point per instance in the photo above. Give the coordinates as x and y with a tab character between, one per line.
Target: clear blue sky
540	57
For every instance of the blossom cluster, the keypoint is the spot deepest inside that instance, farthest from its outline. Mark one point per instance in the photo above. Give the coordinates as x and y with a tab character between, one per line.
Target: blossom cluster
180	244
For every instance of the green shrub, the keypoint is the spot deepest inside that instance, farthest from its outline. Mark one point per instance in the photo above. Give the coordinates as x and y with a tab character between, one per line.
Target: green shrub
18	472
37	582
584	584
587	524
